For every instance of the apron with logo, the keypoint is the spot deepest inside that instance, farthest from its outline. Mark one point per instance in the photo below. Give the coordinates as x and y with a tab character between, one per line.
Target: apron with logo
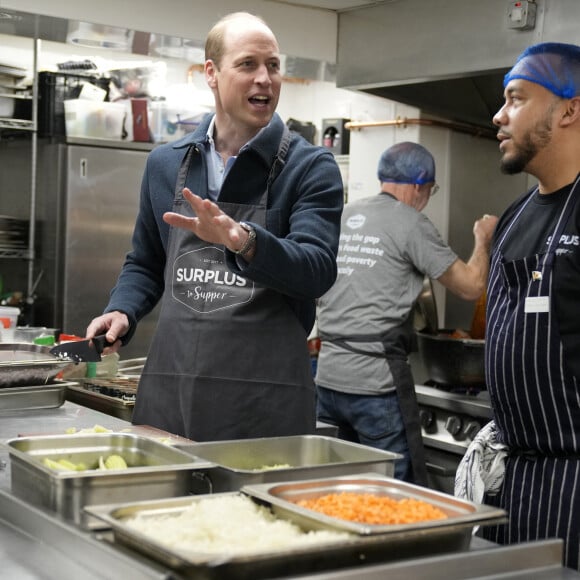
397	343
229	359
537	410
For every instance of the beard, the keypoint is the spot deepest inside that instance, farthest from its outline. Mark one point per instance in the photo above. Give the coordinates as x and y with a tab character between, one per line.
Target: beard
532	142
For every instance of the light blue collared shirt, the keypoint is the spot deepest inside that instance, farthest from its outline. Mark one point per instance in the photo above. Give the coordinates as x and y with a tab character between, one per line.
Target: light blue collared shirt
216	169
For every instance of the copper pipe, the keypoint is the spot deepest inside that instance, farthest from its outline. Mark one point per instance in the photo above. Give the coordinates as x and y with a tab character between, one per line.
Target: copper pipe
403	122
194	68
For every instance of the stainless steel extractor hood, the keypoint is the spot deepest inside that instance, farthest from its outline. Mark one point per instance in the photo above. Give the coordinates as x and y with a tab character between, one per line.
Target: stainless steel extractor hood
447	58
99	36
469	99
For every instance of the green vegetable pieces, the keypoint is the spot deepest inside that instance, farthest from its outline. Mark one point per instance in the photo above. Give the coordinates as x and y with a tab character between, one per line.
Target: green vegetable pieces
112	462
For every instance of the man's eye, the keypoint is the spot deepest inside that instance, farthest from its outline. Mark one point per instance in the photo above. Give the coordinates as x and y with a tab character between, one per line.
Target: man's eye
275	66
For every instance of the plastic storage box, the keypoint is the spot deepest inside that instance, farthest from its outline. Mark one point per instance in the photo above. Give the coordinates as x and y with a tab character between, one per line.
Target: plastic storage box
53	89
94	119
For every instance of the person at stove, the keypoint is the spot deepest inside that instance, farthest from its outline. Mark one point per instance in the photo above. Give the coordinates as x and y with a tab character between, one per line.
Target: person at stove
364	381
237	234
527	460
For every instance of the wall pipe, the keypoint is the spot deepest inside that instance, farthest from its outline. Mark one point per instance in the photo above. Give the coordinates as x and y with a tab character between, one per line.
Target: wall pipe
403	122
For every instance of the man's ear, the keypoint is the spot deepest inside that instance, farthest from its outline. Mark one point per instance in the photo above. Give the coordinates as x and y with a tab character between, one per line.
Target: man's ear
571	111
210	73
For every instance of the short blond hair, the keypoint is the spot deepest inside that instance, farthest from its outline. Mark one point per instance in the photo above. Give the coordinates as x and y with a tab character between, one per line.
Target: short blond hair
214	43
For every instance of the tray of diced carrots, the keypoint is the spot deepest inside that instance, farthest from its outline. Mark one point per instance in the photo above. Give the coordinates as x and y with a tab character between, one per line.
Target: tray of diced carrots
370	504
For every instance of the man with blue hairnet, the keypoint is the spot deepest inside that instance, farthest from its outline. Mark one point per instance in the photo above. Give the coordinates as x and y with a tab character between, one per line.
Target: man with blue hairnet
387	247
533	317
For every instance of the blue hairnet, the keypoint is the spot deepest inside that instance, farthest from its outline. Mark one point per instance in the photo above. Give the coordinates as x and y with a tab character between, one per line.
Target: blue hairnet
553	65
406	163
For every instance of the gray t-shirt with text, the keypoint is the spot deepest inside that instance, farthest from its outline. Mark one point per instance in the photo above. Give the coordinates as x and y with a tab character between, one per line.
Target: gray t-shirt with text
386	249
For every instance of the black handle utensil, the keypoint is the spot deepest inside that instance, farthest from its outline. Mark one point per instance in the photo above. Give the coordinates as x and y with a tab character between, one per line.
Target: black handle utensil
81	350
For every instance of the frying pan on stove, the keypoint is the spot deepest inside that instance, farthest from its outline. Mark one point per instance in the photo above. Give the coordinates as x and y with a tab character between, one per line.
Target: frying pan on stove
450	361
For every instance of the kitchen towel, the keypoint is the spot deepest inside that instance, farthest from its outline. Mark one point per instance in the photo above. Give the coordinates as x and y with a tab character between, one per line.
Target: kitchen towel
482	468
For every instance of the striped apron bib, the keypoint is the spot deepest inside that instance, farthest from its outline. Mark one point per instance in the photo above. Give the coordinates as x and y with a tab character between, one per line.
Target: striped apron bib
535	397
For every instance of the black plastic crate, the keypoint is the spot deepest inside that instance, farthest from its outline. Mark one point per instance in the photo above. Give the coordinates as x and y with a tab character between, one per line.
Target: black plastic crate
53	89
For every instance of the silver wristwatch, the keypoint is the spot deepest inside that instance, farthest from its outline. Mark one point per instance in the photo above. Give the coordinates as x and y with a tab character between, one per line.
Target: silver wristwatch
249	242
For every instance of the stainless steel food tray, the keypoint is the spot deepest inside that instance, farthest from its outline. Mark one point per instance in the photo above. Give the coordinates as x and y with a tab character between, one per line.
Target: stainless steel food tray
28	364
113	406
359	548
34	397
247	461
155	470
283	497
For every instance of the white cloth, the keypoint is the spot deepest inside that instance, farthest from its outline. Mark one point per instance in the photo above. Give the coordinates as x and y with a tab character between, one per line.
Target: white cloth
482	468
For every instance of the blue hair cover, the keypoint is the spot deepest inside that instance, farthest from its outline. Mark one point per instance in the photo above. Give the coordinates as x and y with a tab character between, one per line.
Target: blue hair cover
406	162
553	65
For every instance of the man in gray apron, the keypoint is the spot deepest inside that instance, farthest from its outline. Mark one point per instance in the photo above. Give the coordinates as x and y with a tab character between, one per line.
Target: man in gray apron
387	247
533	319
237	234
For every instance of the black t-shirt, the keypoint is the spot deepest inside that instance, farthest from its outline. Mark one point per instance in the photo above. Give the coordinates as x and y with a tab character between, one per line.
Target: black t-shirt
530	235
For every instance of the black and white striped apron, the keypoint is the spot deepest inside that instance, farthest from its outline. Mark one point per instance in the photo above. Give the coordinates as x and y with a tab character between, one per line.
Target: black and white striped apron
536	399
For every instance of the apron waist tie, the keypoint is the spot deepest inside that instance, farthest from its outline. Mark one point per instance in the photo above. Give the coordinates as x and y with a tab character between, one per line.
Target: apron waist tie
534	454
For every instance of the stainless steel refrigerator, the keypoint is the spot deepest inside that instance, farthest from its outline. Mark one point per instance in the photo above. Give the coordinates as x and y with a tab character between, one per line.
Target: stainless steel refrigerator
88	196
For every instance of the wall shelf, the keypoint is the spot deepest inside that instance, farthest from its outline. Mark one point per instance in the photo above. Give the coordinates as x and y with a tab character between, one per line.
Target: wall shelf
18	124
14	253
11	124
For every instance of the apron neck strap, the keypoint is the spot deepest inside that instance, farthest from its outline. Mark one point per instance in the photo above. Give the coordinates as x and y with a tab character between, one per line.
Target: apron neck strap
280	159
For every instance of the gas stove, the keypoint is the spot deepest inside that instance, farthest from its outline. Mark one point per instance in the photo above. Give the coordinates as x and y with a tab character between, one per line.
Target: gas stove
450	419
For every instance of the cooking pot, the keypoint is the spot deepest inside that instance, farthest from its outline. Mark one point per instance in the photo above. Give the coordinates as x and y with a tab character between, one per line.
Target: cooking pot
457	362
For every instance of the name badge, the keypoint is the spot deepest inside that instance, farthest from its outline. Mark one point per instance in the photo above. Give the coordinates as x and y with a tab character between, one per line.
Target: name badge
537	304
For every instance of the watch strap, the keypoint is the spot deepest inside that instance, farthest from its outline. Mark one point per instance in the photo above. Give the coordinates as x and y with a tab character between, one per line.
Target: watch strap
250	241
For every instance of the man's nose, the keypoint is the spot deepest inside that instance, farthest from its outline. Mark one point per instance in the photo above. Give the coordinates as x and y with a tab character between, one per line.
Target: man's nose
263	75
499	117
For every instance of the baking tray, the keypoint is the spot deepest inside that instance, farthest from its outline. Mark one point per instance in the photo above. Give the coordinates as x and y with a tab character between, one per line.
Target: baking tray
283	497
35	397
357	549
156	470
24	364
247	461
81	394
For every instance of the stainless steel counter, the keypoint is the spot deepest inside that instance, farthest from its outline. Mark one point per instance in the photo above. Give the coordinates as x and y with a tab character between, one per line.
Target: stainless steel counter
48	422
37	544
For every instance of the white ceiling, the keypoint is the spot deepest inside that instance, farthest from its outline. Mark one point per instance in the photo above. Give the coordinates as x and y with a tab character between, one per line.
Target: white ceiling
333	5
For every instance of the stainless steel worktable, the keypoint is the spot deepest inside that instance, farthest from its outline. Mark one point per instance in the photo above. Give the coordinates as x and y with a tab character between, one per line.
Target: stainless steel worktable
36	544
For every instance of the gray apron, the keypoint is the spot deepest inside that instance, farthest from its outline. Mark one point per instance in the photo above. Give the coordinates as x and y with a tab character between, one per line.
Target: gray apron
535	396
397	343
229	359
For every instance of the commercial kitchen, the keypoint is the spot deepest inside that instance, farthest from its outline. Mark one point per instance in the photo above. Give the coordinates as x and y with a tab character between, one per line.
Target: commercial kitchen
359	76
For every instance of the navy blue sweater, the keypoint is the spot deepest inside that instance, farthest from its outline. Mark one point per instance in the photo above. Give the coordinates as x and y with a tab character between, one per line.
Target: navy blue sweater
295	252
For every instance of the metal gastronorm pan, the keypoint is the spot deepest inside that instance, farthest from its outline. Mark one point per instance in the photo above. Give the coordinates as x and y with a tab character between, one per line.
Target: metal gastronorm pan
241	462
283	497
33	397
155	470
28	364
357	549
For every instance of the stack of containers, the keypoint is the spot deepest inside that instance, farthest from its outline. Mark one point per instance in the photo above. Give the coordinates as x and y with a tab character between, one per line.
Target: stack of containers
8	320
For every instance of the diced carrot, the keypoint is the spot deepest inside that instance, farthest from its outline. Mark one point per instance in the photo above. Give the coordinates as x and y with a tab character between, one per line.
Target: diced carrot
366	508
